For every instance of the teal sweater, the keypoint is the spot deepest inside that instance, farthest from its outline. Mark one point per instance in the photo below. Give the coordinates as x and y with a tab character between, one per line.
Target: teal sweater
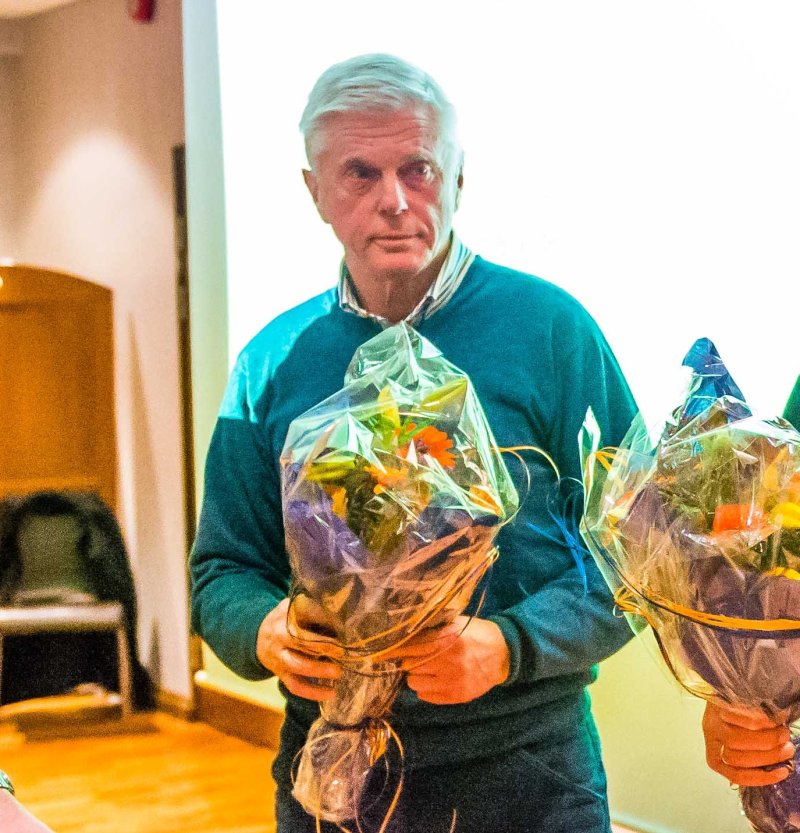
537	360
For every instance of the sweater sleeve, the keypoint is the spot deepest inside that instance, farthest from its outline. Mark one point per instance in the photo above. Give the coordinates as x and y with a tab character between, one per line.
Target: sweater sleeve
568	624
792	411
239	568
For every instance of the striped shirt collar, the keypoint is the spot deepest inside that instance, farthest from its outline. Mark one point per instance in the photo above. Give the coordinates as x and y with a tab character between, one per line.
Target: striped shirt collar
455	266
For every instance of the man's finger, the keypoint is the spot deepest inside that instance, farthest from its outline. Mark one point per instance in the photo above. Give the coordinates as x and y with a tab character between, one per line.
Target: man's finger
746	719
762	740
752	759
312	643
312	615
427	643
420	667
304	687
306	666
440	697
752	777
424	688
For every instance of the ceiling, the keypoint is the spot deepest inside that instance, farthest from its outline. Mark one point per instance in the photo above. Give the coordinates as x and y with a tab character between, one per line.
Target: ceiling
24	8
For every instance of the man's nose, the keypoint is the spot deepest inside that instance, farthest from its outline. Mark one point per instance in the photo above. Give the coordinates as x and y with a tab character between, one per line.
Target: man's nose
392	197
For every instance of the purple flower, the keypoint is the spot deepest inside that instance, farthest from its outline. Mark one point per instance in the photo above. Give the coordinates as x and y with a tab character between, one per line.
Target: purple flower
321	545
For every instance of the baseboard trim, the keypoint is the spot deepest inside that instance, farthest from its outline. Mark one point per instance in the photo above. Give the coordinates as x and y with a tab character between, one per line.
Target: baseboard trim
236	715
175	704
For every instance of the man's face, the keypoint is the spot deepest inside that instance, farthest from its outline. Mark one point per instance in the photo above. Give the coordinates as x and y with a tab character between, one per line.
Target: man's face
379	179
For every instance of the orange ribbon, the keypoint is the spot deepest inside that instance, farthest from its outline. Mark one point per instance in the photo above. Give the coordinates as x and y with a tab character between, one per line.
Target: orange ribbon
625	598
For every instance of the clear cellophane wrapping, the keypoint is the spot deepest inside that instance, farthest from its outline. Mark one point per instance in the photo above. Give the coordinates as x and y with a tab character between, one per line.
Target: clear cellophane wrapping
393	492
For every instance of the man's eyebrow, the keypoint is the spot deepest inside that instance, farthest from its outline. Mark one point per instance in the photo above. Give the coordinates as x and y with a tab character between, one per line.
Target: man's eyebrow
358	162
416	156
422	156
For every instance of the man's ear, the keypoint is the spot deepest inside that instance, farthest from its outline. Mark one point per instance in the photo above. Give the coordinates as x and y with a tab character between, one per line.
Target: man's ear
312	183
459	185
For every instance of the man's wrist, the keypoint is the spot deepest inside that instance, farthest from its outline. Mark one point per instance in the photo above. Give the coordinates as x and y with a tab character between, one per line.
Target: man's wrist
505	655
513	642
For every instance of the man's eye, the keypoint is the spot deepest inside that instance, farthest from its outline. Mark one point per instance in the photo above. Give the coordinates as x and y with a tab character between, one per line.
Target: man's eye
361	173
418	171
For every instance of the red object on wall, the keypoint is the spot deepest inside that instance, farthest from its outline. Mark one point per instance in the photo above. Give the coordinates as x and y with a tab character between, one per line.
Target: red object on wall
141	10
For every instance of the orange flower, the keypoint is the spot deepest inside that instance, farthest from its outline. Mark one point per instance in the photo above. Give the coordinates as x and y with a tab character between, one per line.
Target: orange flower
436	443
339	502
735	517
386	477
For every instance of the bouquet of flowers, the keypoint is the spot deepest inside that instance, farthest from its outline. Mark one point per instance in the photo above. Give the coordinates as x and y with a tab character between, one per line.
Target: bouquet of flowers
393	492
698	534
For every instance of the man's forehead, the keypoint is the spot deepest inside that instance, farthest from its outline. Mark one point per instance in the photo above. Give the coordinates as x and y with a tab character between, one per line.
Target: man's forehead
360	131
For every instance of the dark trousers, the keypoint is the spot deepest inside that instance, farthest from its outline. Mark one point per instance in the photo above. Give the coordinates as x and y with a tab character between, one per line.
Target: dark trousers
559	787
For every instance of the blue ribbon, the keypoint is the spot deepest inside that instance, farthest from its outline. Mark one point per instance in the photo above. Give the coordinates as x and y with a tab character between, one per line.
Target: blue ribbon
566	520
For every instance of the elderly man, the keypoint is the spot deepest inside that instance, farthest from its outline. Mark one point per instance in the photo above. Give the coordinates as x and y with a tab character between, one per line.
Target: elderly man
497	729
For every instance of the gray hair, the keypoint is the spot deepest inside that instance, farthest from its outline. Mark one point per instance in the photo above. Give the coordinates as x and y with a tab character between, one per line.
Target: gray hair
377	82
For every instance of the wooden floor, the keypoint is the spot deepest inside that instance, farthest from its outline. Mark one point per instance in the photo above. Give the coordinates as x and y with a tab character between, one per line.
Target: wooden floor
176	778
167	777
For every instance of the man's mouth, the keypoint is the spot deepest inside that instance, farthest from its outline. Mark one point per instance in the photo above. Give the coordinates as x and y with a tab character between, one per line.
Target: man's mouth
394	241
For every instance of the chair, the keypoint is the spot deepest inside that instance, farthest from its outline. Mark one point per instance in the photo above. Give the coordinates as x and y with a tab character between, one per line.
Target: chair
83	618
67	601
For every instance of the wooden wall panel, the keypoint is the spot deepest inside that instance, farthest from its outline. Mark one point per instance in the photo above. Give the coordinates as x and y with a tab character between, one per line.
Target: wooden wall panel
57	426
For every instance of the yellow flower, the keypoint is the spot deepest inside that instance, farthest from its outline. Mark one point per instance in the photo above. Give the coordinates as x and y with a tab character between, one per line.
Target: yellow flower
388	407
785	572
786	515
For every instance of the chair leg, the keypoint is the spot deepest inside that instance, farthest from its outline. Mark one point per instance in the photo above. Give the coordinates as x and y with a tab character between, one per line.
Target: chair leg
125	675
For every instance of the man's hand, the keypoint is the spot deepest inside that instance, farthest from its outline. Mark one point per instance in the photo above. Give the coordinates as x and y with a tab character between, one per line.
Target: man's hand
739	742
303	663
455	663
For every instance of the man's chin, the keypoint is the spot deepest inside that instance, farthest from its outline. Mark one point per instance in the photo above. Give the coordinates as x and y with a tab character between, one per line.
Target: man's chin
399	267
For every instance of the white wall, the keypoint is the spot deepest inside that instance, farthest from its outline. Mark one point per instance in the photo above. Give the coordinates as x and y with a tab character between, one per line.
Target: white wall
8	154
100	107
641	155
206	222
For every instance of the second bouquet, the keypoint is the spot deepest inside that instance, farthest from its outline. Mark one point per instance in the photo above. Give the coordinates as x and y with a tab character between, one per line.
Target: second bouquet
393	492
698	535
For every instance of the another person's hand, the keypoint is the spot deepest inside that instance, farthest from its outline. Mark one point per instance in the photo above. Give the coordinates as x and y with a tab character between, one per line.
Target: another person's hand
455	663
14	818
303	662
740	742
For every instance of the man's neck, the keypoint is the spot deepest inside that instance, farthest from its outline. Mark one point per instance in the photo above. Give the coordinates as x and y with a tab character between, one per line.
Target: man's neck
394	297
